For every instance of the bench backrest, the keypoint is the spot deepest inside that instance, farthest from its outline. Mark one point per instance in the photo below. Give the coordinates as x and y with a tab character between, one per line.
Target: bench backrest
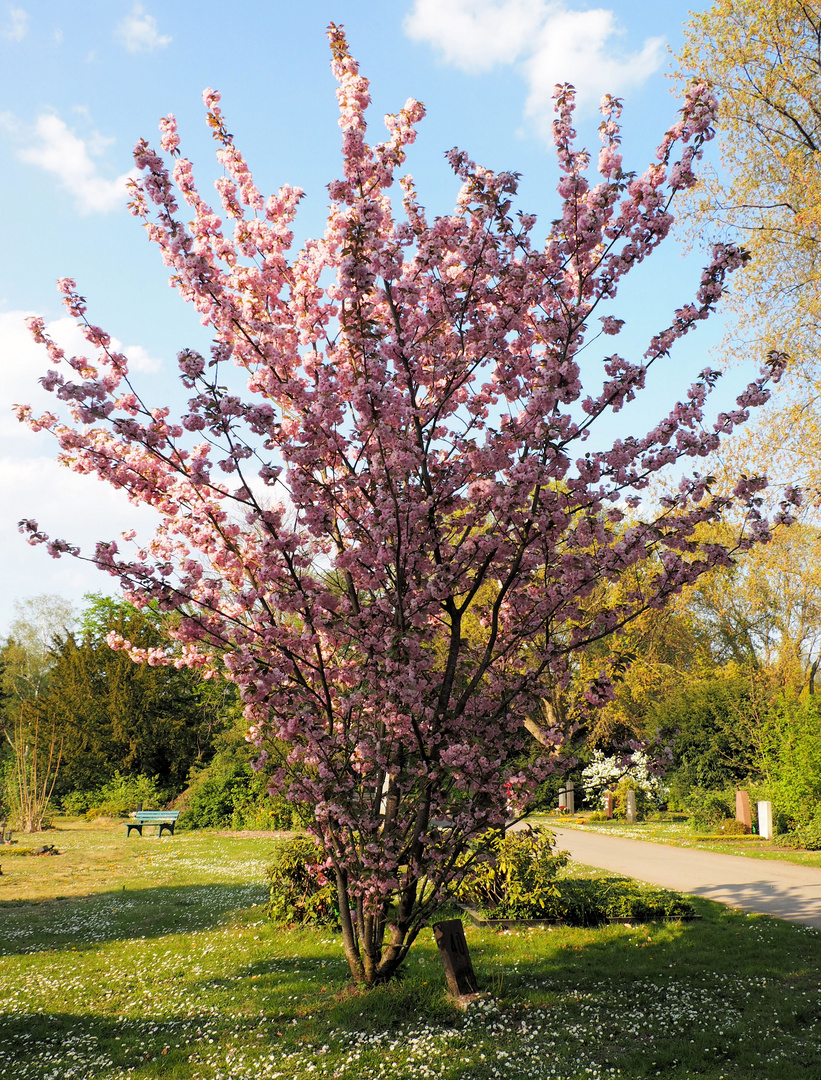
149	816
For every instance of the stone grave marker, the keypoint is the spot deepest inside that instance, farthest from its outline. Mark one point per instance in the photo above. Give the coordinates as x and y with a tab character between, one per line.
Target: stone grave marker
631	807
571	797
742	810
453	952
765	820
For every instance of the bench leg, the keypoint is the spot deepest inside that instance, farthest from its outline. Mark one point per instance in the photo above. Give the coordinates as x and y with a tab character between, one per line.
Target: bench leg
165	825
139	829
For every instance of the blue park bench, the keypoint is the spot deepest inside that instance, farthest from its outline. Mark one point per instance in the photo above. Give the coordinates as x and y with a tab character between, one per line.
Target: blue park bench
164	819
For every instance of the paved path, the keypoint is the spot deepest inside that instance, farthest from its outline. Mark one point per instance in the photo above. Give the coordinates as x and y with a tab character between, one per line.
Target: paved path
764	886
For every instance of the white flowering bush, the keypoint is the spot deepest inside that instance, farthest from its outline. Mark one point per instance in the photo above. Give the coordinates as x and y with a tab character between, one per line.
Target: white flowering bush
606	774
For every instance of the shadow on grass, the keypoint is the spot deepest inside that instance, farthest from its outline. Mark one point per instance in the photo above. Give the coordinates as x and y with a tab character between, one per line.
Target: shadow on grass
35	1044
128	914
543	967
723	943
712	998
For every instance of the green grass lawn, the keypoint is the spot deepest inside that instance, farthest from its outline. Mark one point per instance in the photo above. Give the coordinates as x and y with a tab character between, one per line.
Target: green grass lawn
681	834
147	958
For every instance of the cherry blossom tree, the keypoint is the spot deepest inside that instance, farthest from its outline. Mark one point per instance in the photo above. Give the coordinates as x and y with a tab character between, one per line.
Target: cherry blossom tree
391	534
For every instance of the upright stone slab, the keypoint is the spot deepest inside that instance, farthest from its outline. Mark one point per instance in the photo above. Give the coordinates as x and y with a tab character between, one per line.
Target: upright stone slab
571	798
631	807
608	803
765	820
562	799
742	810
453	952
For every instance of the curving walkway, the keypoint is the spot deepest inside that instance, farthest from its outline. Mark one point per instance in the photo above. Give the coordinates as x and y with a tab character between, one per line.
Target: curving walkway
766	887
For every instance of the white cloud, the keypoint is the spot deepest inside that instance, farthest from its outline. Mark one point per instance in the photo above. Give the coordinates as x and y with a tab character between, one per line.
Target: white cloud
53	146
576	47
138	32
550	43
80	509
23	363
17	26
76	508
475	35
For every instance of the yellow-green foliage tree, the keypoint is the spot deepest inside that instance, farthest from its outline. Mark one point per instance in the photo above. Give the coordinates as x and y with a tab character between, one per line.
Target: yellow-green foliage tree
650	661
763	57
754	625
763	615
27	719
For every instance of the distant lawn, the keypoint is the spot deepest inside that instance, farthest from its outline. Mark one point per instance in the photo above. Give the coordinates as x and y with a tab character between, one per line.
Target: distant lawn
681	834
157	961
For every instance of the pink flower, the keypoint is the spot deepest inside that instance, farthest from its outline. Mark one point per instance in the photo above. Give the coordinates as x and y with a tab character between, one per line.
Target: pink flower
379	509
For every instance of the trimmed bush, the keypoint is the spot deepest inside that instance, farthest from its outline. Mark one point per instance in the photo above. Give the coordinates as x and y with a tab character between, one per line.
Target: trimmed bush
592	901
731	827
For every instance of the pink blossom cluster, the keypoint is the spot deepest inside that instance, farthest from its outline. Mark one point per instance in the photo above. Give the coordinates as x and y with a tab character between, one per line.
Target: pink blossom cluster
394	537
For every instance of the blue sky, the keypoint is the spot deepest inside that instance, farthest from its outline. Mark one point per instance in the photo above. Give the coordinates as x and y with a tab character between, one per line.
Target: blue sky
81	83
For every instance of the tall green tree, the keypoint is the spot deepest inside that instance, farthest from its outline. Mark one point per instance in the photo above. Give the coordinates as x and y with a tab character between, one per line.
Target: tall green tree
118	715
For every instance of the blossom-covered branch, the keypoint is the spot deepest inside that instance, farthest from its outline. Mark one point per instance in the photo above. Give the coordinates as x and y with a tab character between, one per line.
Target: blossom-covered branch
391	530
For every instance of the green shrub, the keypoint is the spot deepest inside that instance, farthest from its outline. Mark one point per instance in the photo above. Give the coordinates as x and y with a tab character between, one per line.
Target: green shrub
591	901
77	803
732	827
236	798
708	808
117	797
644	803
792	751
301	891
516	877
806	837
514	874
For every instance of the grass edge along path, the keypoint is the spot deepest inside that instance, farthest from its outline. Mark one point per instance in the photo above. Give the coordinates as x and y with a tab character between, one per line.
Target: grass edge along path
679	834
180	976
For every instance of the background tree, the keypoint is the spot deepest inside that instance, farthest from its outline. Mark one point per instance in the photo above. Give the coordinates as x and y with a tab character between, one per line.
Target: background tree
29	723
117	716
38	622
763	58
764	613
742	708
650	661
718	723
409	421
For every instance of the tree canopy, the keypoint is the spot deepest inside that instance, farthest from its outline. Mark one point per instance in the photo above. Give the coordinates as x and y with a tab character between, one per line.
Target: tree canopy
405	457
